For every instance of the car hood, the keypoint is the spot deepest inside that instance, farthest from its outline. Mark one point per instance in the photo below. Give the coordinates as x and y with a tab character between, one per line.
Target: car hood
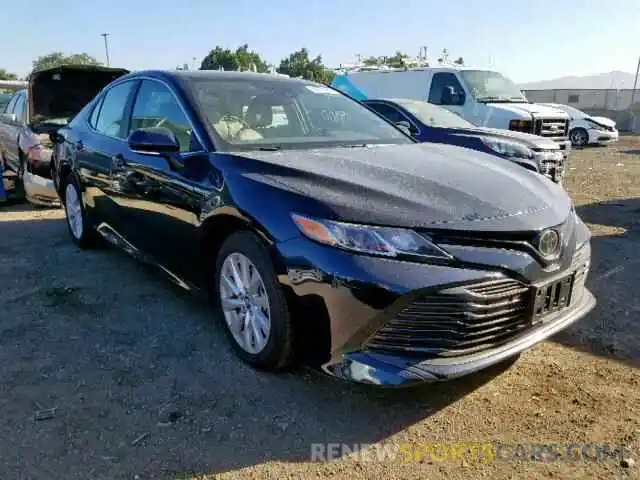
418	185
59	93
532	141
607	122
529	109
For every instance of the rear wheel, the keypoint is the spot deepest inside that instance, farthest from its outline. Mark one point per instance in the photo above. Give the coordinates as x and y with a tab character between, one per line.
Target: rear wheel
579	137
82	234
252	304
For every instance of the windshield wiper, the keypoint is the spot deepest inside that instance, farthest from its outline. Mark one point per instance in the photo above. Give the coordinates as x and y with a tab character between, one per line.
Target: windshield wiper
269	148
493	99
354	145
497	99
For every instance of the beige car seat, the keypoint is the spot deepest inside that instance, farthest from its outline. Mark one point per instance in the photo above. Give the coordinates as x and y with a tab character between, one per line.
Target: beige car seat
231	129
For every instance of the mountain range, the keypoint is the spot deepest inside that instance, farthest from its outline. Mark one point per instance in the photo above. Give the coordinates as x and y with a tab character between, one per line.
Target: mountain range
616	79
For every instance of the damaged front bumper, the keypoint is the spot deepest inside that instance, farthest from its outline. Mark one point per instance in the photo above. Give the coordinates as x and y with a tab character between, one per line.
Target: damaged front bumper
396	323
400	371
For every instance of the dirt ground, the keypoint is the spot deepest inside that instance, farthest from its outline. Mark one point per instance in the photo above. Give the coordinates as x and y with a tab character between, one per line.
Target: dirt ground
109	372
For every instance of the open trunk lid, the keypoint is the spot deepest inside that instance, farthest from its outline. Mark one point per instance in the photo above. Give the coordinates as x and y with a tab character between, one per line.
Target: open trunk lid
58	94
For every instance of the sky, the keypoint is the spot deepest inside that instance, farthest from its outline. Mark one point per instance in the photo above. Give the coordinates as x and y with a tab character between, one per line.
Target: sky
525	40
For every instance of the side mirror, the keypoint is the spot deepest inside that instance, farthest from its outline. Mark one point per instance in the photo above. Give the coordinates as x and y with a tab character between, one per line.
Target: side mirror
9	117
153	141
405	127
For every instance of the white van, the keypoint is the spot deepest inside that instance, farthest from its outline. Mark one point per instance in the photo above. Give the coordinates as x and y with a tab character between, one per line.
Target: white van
483	97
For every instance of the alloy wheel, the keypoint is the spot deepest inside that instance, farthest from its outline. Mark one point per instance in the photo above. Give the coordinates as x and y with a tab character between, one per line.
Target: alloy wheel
245	303
74	211
579	138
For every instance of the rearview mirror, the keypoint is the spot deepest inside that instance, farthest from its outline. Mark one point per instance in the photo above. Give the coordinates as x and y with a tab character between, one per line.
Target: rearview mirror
153	141
405	127
9	117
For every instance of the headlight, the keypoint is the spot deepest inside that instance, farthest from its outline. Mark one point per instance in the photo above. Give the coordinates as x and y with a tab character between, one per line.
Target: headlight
550	155
520	125
595	125
383	241
508	149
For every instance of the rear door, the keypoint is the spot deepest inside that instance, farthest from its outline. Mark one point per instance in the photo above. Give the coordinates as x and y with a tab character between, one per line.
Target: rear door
97	150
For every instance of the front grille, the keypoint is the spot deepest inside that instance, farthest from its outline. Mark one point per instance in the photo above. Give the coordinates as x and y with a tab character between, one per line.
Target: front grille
458	321
554	128
466	320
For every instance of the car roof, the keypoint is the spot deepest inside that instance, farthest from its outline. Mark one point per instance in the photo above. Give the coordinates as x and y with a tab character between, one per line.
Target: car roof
217	75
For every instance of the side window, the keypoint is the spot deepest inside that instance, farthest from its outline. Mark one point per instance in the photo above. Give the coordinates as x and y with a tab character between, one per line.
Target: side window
387	111
156	106
19	108
111	118
93	120
446	90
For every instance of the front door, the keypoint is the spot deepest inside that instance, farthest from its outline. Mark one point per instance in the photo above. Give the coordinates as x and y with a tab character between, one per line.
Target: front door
161	202
447	91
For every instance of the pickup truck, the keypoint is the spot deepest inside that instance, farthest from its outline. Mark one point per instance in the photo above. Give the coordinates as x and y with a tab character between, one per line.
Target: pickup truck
52	98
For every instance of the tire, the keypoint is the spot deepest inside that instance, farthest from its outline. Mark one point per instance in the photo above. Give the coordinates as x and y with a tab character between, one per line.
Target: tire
272	350
82	233
579	137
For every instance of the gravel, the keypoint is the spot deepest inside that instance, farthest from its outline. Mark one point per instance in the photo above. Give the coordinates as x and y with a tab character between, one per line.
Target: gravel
108	371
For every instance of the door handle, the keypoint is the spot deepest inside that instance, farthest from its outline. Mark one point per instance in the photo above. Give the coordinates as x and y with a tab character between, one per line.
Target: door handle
117	161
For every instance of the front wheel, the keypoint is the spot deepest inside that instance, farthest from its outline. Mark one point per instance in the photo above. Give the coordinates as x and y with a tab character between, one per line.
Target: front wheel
252	303
82	234
579	137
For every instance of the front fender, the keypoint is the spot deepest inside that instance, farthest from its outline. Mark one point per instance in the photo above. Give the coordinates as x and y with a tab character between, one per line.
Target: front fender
269	202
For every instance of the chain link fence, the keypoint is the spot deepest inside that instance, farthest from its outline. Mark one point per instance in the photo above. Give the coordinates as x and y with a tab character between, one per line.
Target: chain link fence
622	106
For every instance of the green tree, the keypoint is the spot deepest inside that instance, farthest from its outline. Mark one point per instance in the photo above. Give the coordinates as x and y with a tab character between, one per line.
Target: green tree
248	59
396	60
240	59
298	64
372	61
58	58
4	75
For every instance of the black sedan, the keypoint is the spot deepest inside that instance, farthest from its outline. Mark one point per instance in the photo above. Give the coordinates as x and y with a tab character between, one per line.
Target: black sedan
430	123
317	226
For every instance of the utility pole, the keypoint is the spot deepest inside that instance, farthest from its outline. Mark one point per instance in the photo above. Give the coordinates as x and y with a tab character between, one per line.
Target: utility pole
106	47
633	97
635	82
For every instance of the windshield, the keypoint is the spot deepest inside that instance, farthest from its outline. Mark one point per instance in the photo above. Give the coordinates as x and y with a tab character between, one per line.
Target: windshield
487	86
433	115
257	113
